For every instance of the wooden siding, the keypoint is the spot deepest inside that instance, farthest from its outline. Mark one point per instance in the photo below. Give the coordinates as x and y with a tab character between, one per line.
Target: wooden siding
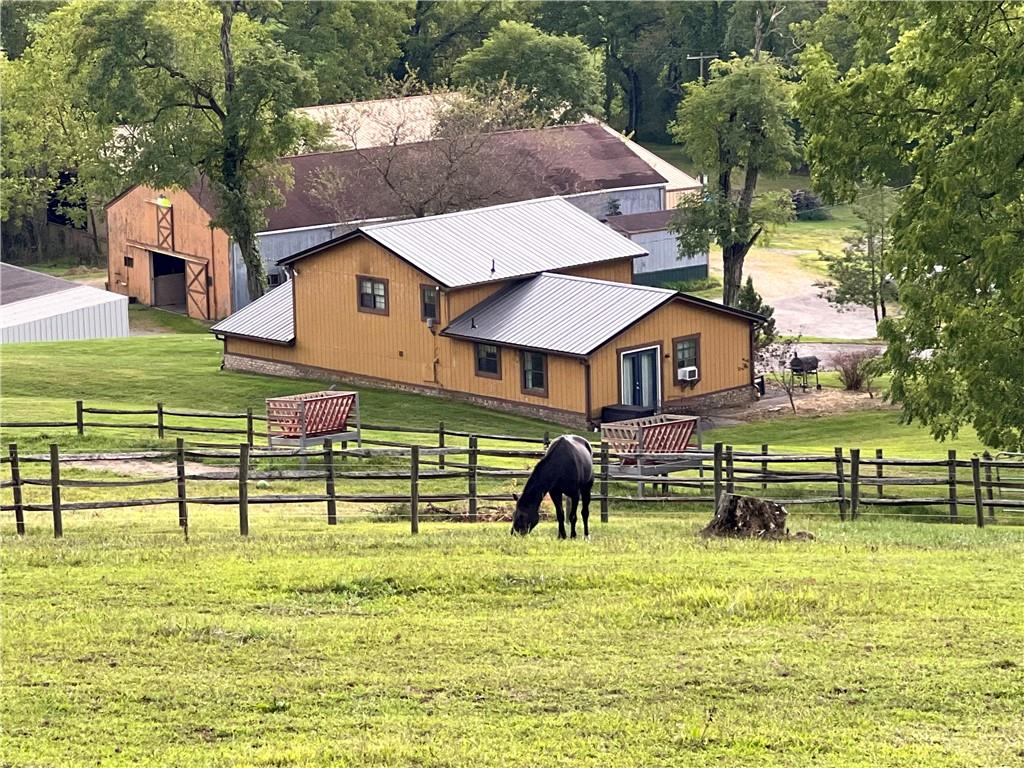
724	353
132	231
619	271
565	378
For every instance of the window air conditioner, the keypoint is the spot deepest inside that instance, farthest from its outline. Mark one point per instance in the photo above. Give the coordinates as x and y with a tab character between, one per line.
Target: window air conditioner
689	373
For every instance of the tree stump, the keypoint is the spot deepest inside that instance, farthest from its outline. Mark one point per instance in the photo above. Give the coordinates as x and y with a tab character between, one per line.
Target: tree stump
748	517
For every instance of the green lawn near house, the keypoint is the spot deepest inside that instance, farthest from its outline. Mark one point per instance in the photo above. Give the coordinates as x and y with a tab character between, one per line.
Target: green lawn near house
42	381
877	644
867	430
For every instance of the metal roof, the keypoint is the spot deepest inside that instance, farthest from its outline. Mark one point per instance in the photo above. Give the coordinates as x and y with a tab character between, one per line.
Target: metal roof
18	284
558	313
270	318
637	223
502	241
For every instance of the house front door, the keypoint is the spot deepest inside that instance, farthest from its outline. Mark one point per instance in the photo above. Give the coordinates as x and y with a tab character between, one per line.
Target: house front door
640	376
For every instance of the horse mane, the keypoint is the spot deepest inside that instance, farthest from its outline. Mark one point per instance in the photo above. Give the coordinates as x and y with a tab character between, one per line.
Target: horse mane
534	490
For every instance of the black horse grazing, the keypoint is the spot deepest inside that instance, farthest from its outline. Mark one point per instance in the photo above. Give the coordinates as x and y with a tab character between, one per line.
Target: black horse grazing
567	468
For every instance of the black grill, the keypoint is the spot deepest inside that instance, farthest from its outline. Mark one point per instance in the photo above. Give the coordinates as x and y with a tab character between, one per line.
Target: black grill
803	365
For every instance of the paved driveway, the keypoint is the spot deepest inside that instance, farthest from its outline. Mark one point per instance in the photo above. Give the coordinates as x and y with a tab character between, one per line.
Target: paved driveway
787	283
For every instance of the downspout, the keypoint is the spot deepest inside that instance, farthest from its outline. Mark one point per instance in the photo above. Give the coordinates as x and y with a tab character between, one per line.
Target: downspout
586	392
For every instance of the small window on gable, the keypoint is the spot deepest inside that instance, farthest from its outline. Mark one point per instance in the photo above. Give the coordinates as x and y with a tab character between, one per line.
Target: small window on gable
129	261
488	361
274	279
535	373
373	294
428	303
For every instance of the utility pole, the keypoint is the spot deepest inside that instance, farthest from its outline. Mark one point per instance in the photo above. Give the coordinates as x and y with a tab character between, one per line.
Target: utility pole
702	58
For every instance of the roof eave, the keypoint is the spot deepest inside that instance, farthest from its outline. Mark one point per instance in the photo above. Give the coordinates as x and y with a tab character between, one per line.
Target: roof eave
510	345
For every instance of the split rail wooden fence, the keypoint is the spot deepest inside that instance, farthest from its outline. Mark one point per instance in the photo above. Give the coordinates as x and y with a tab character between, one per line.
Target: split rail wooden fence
982	490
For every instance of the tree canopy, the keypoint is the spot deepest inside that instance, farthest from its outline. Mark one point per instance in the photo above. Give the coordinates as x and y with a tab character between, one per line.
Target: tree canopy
932	104
559	72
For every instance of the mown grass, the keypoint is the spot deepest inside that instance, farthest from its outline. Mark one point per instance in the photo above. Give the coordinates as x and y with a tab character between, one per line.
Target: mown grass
878	644
42	381
868	429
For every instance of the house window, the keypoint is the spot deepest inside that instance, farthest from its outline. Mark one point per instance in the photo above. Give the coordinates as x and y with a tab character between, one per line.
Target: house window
428	303
488	361
535	373
129	261
274	279
373	294
687	356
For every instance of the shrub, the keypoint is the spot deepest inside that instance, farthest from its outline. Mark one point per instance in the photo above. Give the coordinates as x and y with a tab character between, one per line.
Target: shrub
855	368
694	286
808	206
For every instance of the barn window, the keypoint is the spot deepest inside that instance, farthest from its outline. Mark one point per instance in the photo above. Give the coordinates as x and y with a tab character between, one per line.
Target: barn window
129	261
274	279
535	373
428	303
373	294
687	356
488	361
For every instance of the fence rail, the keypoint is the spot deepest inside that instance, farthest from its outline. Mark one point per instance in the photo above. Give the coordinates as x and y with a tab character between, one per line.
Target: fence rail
417	477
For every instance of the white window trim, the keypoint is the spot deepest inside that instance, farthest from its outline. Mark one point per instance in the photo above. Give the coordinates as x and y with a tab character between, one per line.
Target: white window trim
657	375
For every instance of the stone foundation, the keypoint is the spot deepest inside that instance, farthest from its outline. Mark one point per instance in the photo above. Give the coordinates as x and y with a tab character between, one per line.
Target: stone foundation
264	367
702	405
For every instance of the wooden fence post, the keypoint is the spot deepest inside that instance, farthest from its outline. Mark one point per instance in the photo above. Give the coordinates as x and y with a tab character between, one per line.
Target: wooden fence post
547	439
951	461
243	489
414	489
764	467
605	472
250	427
179	460
879	474
19	510
332	503
80	417
854	483
472	477
730	471
718	474
160	420
440	444
58	522
840	483
989	492
979	509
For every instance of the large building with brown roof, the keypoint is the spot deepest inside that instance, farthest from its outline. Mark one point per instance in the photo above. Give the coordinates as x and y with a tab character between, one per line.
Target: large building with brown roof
164	252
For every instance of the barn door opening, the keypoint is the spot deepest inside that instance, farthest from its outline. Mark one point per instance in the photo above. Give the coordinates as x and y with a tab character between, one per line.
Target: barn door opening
168	282
198	297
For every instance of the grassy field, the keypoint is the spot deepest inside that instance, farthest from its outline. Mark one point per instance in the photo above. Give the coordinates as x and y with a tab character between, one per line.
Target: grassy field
887	644
183	371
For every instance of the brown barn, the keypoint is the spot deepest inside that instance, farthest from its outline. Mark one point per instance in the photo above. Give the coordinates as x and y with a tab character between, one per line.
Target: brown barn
526	306
164	252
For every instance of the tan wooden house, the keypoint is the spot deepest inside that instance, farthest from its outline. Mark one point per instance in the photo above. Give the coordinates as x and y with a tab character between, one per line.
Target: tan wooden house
527	306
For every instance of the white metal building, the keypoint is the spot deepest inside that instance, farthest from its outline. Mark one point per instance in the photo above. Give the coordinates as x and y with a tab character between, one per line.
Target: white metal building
38	307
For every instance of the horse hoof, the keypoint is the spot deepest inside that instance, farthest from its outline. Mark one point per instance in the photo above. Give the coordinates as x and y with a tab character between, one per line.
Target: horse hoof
587	537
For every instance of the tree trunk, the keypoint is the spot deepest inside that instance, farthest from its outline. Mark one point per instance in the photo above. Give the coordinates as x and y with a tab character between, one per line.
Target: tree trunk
236	214
732	272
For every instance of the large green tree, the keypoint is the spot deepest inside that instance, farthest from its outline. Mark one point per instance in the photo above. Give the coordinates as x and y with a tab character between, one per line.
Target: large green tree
933	102
559	72
737	125
202	87
350	47
56	150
